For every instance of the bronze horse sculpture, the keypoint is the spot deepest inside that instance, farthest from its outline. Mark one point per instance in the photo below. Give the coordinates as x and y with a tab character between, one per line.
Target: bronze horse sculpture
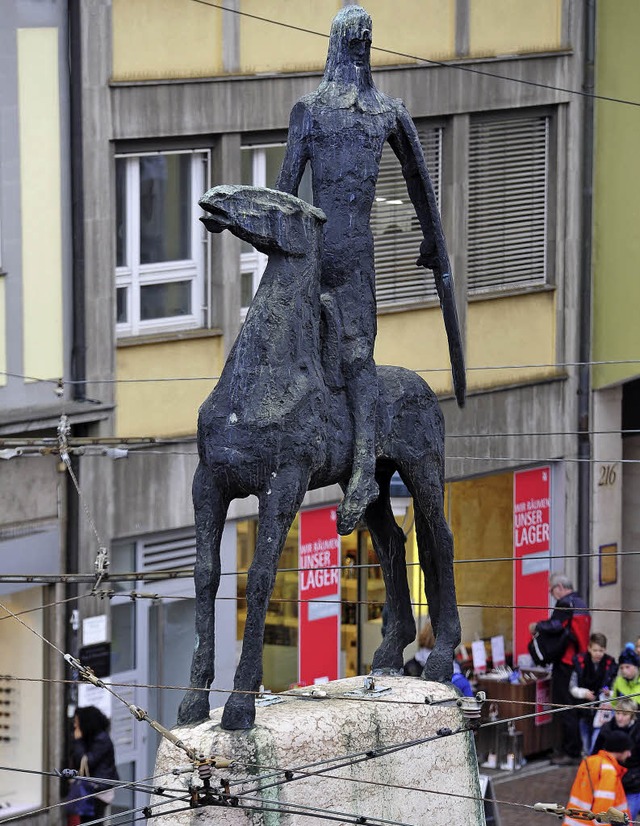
277	424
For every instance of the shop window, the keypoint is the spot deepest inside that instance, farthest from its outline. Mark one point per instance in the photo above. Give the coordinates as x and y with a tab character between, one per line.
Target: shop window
480	514
280	652
21	702
362	596
160	244
260	167
508	203
396	230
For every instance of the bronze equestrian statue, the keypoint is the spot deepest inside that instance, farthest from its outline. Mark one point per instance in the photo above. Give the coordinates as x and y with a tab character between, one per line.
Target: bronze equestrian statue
273	427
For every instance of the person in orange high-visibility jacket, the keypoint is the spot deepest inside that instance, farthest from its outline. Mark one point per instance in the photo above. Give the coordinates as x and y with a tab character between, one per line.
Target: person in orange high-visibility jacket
598	783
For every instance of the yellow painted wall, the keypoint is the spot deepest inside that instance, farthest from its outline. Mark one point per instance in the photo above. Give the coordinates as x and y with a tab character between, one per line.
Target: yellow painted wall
165	39
164	408
40	201
3	333
480	514
425	28
616	240
265	47
417	340
511	331
514	26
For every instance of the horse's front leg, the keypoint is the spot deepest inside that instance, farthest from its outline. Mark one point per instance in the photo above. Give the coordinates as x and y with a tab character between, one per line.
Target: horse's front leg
278	507
210	506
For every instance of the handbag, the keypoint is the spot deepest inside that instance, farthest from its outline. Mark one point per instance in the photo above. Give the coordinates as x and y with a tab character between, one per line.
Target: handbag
77	802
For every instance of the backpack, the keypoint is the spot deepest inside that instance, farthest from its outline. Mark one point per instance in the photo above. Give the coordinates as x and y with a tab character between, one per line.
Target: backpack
547	646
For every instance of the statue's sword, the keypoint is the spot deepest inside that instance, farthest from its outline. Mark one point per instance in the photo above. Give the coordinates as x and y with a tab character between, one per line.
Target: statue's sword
452	326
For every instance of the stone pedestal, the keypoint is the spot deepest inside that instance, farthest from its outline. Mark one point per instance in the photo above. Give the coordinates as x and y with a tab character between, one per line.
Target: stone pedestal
342	755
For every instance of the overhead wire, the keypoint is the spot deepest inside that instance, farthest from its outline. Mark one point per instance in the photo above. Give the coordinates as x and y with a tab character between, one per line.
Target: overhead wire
440	63
506	367
61	382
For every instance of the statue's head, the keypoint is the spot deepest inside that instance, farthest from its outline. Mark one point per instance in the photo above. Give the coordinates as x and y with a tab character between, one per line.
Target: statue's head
349	55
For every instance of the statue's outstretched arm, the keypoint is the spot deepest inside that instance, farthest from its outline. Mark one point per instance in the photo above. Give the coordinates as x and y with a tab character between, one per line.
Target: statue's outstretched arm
297	151
433	250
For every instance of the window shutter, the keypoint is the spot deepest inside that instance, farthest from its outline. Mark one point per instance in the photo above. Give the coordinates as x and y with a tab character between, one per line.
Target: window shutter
396	231
508	196
167	554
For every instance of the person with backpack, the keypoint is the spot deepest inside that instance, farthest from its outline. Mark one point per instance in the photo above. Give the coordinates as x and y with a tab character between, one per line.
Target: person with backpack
568	630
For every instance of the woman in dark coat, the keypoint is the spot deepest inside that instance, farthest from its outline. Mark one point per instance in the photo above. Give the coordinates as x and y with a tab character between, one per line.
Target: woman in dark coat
91	737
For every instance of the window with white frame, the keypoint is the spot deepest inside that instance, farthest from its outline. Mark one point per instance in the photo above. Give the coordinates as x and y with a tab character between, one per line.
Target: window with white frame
396	230
508	202
160	244
260	167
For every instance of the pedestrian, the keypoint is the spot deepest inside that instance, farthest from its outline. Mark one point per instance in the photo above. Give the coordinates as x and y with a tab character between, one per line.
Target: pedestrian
571	619
625	719
627	683
592	678
598	783
637	646
91	740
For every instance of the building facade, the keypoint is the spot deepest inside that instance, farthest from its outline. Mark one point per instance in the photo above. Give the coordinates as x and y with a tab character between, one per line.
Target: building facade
157	305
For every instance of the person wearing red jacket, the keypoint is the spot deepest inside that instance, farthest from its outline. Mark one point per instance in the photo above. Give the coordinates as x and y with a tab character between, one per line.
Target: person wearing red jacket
598	783
570	611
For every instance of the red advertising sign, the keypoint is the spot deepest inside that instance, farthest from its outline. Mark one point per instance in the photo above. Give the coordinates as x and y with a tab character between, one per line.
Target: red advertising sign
532	551
543	701
319	595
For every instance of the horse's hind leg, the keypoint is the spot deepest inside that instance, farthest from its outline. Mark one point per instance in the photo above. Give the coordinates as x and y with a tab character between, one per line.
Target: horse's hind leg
435	549
389	543
278	507
210	506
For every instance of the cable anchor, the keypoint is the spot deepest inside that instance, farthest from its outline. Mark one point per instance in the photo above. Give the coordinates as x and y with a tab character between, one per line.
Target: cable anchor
101	566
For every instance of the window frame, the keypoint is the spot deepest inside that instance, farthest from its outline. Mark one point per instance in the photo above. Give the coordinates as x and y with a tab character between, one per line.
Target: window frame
387	281
134	275
548	234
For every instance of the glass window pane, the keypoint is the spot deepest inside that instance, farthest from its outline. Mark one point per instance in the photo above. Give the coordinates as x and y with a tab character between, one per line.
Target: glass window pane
122	310
274	157
246	288
246	171
123	637
165	208
123	557
121	212
165	300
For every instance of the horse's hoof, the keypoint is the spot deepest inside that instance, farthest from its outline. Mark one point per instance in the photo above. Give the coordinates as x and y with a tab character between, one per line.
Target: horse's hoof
194	708
386	671
438	669
239	713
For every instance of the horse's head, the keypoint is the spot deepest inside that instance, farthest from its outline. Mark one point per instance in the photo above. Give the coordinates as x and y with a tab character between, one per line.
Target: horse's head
270	220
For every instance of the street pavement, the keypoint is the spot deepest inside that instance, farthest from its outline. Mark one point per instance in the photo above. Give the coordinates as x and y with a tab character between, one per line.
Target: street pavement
536	782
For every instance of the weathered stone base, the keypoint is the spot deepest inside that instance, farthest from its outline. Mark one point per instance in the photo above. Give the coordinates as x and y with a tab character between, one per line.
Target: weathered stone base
323	741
